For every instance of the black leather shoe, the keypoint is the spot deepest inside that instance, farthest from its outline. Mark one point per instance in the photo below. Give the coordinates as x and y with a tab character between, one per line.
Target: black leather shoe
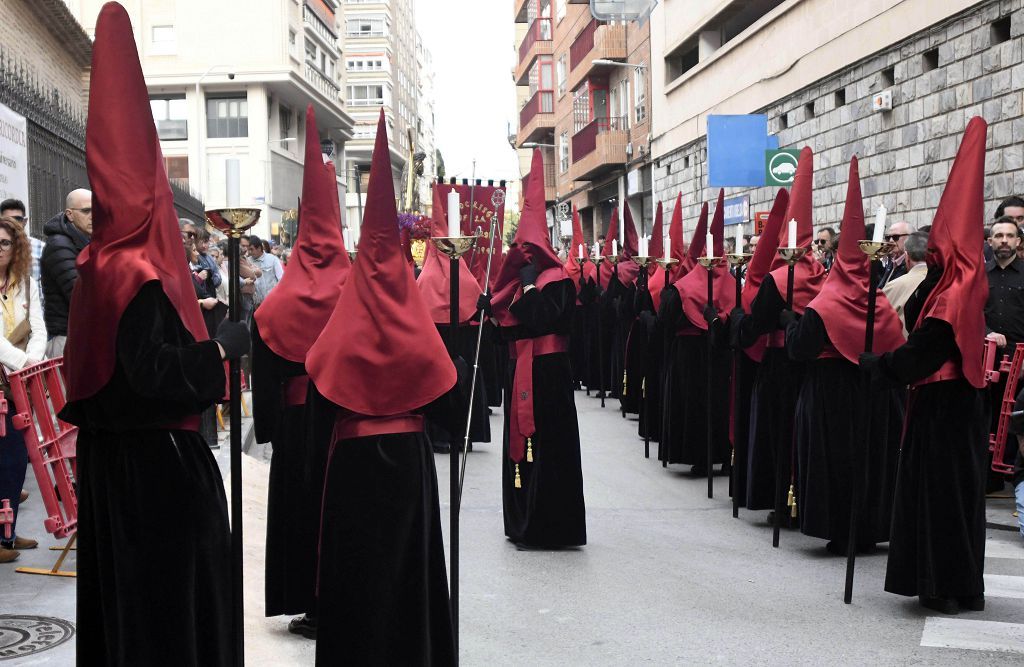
303	625
941	605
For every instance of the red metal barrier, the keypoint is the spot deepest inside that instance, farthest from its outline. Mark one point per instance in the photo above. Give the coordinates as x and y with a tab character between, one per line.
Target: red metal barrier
38	393
1012	369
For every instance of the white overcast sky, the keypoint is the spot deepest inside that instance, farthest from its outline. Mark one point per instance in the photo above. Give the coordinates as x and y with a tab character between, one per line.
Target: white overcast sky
474	97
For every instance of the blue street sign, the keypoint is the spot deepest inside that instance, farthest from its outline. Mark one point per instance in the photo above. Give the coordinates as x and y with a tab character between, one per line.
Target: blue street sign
736	146
737	210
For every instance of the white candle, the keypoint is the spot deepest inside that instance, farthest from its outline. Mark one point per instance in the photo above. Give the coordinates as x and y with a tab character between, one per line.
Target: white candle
348	239
738	247
643	246
879	225
792	233
454	223
597	249
667	241
615	248
709	245
581	251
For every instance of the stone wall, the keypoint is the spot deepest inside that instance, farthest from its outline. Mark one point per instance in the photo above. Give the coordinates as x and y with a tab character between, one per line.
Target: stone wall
969	65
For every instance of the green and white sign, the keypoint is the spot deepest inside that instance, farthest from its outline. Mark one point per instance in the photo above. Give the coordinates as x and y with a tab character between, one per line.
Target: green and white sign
780	166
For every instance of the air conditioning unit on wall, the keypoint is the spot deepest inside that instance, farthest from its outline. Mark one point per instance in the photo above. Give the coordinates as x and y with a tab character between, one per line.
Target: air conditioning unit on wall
882	101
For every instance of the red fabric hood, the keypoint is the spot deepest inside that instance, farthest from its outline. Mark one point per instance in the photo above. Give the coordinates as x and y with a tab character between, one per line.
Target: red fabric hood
295	312
955	244
434	279
764	256
842	301
693	287
572	266
380	353
135	236
677	247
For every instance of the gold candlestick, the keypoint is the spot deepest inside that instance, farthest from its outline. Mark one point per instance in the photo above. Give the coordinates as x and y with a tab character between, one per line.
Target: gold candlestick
876	250
710	262
454	246
642	260
667	263
738	259
792	255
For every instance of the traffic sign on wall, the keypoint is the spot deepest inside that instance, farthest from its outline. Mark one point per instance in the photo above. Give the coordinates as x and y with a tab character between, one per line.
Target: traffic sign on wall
780	166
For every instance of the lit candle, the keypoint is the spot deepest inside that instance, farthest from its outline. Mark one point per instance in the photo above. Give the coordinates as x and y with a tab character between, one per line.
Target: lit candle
615	248
581	252
597	249
454	224
879	225
667	241
643	246
738	247
709	245
348	239
792	233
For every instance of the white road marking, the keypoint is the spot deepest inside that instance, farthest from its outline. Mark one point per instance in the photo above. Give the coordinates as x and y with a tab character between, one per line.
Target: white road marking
974	635
1004	549
1004	586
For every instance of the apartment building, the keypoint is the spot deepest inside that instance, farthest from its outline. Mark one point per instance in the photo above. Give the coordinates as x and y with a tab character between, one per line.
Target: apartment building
815	68
585	91
241	93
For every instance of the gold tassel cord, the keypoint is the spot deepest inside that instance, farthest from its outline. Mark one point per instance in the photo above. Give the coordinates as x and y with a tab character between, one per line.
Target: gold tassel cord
625	384
792	501
529	450
519	482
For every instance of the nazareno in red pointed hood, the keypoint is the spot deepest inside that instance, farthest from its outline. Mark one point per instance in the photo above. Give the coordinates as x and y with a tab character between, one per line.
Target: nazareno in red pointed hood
530	245
606	250
842	302
135	236
765	255
809	274
433	280
955	244
656	274
627	269
380	353
295	312
697	241
677	247
572	265
693	287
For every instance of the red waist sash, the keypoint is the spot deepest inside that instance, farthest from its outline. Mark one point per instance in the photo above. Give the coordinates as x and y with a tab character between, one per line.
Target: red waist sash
521	423
950	370
295	390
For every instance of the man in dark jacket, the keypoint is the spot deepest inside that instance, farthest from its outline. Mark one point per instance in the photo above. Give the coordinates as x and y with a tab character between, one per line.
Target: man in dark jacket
66	235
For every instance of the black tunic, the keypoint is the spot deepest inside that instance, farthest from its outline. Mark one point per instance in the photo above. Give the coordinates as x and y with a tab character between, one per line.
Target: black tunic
772	403
293	504
616	321
648	366
745	374
548	511
937	545
480	425
589	312
635	352
492	369
154	558
829	435
684	419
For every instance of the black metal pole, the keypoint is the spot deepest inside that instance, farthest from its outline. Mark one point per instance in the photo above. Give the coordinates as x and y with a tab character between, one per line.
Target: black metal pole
586	347
780	456
235	373
453	333
600	336
709	378
644	405
860	466
737	393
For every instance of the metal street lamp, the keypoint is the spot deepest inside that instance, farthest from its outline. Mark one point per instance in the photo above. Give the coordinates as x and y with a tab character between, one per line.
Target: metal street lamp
616	63
534	144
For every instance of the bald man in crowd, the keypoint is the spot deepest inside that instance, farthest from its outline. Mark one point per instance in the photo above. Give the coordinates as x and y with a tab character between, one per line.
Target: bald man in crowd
67	233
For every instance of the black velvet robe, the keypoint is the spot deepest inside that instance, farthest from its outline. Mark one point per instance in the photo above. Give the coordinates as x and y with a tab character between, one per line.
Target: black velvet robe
293	503
740	427
937	545
684	420
648	366
588	312
772	403
548	511
831	444
154	557
635	351
492	365
382	583
480	424
617	319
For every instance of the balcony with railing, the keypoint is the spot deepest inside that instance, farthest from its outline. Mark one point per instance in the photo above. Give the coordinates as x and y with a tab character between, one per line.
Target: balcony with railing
537	42
322	83
549	176
596	41
537	116
316	24
598	147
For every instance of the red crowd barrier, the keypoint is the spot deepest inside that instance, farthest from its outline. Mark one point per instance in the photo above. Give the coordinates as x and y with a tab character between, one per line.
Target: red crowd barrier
1011	368
38	393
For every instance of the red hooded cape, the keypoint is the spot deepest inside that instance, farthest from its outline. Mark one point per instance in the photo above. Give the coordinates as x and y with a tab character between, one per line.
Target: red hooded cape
530	245
656	274
697	243
842	301
434	279
677	247
380	353
693	287
955	244
572	266
135	236
606	250
809	274
295	311
627	269
765	255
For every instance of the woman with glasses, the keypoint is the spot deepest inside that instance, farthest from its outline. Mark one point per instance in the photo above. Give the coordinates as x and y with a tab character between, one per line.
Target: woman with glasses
23	343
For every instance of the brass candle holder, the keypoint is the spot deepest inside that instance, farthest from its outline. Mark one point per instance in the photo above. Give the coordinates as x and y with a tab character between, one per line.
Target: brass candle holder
667	263
581	261
642	260
612	259
876	250
352	255
232	221
454	246
709	262
792	255
597	259
737	259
